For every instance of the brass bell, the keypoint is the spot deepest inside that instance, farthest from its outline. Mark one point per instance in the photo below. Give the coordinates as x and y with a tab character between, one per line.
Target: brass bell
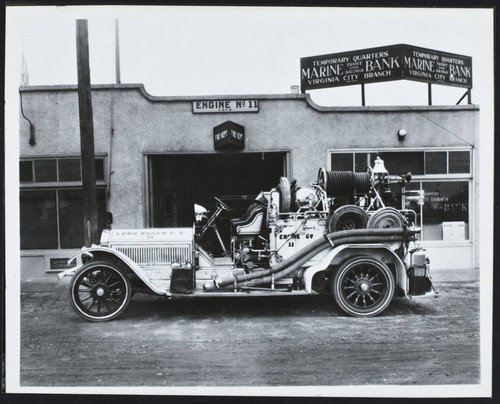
379	167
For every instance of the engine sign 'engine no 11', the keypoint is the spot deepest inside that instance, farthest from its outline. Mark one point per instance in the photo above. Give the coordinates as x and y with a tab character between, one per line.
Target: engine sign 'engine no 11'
345	234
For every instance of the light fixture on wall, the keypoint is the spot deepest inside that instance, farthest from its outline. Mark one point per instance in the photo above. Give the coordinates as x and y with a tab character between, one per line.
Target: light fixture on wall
402	134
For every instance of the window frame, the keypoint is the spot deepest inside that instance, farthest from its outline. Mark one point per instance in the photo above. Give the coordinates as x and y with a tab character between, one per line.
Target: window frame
429	178
413	149
64	185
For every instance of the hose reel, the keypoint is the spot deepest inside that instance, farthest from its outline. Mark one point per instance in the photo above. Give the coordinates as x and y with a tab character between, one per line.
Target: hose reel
347	217
386	218
344	183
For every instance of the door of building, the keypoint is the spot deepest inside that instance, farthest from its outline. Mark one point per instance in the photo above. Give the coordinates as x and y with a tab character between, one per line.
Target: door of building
178	181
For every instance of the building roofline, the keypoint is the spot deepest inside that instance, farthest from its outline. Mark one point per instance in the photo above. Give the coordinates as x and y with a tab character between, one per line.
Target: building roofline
140	87
291	96
390	108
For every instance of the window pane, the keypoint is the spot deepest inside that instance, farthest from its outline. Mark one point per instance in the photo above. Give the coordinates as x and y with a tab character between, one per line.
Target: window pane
459	162
26	171
99	169
435	162
401	162
45	171
38	219
71	216
412	200
445	202
342	162
360	162
69	170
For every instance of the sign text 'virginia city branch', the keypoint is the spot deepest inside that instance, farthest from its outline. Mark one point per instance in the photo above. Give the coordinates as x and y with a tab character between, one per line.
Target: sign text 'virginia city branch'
394	62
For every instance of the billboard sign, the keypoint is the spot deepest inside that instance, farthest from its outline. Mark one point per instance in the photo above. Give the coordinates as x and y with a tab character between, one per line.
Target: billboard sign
430	66
387	63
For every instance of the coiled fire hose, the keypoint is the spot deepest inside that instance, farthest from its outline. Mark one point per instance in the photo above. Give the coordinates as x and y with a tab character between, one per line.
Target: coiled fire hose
343	183
294	262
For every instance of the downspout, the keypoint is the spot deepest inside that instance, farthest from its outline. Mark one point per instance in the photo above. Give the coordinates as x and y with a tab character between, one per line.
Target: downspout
32	140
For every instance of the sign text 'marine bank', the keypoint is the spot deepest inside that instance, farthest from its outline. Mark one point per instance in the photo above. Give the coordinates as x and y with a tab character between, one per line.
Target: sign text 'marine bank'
395	62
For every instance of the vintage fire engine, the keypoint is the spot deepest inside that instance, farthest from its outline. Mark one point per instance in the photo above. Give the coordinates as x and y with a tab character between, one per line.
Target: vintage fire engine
337	235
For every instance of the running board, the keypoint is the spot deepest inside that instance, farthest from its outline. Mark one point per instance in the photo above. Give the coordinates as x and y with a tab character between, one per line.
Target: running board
245	293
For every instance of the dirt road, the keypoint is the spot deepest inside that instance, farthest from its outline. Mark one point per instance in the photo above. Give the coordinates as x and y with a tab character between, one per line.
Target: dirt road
252	342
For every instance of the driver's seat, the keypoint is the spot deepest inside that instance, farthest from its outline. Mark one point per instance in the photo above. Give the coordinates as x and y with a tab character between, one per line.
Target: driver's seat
251	222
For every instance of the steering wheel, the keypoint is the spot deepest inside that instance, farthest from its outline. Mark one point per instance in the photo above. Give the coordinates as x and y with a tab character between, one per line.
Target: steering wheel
222	204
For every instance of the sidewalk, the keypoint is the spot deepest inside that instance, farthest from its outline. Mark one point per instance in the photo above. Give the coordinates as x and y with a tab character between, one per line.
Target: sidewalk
39	285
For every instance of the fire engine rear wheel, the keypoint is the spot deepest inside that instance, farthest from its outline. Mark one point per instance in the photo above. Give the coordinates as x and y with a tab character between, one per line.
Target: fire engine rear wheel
363	286
100	291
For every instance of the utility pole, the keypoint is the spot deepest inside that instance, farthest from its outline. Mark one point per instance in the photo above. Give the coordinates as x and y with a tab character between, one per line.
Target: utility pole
117	53
86	134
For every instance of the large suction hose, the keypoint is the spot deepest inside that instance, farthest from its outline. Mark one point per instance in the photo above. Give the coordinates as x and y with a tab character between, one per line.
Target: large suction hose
306	250
297	265
298	259
282	265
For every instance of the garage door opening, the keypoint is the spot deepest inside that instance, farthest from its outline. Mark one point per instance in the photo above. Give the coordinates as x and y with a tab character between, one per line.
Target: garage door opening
178	181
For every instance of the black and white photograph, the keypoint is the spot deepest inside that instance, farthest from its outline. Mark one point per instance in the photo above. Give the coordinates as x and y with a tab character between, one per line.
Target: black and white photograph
249	201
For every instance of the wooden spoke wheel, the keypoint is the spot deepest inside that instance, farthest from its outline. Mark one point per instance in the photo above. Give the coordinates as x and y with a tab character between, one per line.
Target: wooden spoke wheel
363	286
100	291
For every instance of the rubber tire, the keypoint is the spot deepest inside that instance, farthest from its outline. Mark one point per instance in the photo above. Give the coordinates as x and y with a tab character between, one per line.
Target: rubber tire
392	215
284	189
347	306
110	266
335	220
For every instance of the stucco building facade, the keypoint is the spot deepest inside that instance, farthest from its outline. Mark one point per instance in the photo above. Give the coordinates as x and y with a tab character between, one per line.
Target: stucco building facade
155	156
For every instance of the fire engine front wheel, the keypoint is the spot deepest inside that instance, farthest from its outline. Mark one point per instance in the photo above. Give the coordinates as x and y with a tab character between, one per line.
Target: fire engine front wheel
363	286
100	291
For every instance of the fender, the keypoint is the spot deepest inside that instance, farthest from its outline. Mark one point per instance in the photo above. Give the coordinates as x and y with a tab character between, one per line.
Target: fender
126	260
340	253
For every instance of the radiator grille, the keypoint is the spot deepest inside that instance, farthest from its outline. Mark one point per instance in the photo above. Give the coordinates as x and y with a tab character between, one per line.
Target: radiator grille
157	255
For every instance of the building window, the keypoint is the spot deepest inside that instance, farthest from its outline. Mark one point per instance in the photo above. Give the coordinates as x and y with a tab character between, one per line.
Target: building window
51	206
56	170
45	171
439	192
459	162
440	205
436	162
399	162
38	219
26	171
342	162
69	170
